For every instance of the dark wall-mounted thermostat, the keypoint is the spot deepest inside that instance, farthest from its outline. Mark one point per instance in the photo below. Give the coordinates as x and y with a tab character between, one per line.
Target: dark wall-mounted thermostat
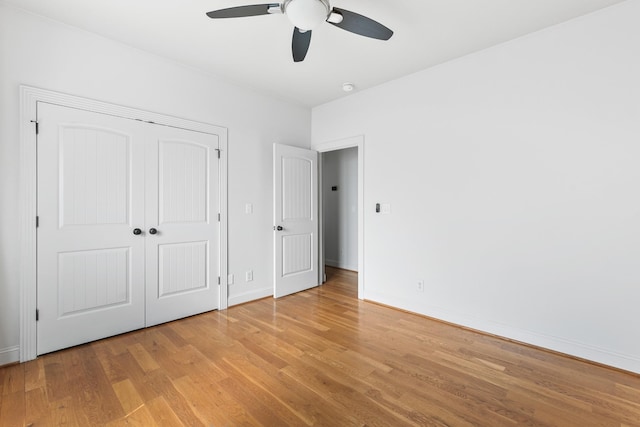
377	207
334	188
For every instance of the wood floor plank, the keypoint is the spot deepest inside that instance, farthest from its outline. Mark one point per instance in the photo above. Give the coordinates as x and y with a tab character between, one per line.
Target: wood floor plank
347	395
320	409
12	409
110	362
163	414
34	376
192	358
37	408
261	379
128	396
158	386
95	399
317	358
139	417
144	359
207	403
261	411
64	413
12	379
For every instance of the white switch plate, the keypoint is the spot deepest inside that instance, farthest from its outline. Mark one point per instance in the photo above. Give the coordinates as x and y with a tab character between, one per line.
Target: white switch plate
385	208
230	279
248	208
249	276
420	286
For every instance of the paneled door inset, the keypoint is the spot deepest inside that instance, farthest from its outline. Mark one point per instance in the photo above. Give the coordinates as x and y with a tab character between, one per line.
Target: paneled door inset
90	202
128	231
295	172
182	224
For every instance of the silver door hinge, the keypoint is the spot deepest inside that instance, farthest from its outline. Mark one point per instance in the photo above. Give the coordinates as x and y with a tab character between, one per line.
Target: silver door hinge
218	150
37	221
218	217
218	280
37	126
37	314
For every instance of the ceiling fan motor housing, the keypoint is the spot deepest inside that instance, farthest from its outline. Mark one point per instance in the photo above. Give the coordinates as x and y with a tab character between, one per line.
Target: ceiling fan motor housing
306	14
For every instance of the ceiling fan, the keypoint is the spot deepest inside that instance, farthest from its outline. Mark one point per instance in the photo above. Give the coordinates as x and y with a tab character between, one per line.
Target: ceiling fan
306	15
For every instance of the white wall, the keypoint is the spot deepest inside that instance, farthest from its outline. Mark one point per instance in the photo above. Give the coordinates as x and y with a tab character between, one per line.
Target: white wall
513	179
42	53
340	169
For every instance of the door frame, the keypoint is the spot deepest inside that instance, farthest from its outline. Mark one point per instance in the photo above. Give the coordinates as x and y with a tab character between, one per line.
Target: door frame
334	145
29	98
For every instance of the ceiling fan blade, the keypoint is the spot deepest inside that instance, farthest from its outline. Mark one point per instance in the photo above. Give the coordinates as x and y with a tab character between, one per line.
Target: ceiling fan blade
362	25
300	44
242	11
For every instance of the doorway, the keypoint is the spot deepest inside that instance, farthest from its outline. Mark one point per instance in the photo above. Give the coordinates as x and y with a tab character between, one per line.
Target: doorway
347	155
340	208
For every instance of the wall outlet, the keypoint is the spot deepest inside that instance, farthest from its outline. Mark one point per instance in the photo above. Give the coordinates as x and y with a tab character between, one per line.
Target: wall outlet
230	279
420	286
249	275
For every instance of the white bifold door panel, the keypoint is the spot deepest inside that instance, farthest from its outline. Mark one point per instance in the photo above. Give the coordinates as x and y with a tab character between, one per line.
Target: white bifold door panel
128	227
90	197
182	206
295	172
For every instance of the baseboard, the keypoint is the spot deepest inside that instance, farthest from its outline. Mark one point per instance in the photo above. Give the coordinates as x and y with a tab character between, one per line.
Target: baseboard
9	355
625	362
254	294
342	265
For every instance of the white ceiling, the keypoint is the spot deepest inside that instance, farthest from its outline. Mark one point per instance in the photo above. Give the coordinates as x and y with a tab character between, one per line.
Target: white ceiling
256	51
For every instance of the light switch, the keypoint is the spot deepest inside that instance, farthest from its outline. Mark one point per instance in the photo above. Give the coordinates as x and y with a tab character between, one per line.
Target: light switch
383	208
248	208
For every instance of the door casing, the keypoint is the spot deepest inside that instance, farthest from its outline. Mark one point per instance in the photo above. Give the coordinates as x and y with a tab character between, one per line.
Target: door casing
29	98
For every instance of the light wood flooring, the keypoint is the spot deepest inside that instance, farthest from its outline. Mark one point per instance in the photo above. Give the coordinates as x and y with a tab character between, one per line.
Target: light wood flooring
320	357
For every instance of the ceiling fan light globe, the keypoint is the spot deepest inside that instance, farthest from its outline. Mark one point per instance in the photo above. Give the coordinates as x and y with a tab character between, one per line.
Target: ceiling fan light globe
307	14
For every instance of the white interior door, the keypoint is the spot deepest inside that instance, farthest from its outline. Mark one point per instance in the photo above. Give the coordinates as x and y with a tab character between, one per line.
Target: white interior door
128	231
90	200
295	201
182	208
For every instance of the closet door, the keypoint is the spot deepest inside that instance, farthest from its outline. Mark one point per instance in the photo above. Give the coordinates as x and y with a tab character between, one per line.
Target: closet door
128	231
182	232
90	203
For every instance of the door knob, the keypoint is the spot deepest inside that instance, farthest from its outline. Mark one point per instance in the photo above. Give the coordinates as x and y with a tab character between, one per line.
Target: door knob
153	231
137	231
279	228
